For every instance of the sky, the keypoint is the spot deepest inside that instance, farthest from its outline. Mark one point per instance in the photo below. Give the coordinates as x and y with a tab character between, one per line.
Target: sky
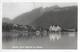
12	10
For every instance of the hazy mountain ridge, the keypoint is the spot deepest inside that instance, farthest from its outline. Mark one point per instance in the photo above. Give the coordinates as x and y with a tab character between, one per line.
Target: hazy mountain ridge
6	20
31	16
27	18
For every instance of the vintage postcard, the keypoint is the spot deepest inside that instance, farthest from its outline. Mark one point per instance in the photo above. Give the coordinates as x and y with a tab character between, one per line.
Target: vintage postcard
39	25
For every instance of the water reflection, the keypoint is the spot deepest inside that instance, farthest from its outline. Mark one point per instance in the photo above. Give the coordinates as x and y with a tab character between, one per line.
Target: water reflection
72	34
55	36
38	35
49	40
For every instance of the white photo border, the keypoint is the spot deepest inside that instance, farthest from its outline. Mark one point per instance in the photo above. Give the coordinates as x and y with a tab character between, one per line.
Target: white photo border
39	50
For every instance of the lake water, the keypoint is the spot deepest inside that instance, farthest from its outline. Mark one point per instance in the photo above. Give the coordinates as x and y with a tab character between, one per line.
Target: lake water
66	40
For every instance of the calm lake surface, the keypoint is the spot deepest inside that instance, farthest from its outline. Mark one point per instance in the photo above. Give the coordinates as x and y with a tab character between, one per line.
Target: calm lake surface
67	40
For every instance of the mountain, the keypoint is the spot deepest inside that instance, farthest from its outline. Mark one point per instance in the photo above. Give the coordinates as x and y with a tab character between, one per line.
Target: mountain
6	20
66	17
28	17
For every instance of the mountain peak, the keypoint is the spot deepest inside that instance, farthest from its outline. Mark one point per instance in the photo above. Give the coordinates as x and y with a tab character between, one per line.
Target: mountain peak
51	8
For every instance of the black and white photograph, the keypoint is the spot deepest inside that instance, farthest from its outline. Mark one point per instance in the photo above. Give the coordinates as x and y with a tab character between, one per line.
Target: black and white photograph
39	25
